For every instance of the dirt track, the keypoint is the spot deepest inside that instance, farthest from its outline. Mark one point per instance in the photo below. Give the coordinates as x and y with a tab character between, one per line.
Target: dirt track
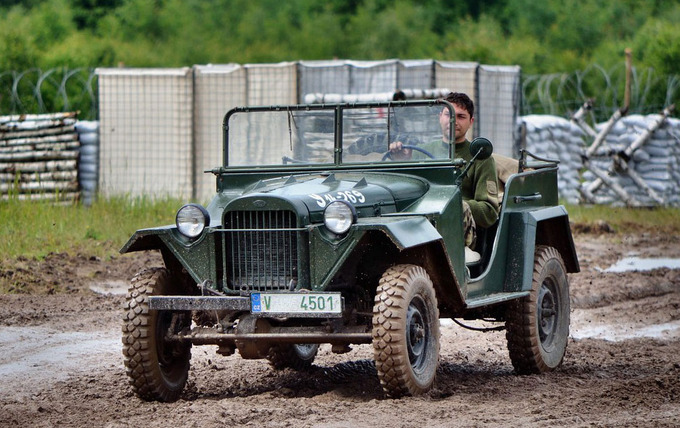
61	362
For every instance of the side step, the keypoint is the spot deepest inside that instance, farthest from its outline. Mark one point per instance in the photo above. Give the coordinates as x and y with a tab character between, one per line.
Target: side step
492	299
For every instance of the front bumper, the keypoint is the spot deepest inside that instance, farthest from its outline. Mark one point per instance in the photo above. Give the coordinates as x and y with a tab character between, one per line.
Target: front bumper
199	303
253	304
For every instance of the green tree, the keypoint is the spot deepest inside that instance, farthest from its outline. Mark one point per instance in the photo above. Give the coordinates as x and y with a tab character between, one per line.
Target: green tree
50	21
657	45
17	51
401	29
543	37
87	13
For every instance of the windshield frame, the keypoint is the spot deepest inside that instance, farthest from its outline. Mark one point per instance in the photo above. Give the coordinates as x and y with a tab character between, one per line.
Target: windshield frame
339	111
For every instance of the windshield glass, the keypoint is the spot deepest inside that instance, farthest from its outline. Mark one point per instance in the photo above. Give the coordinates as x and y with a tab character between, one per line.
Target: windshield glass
339	134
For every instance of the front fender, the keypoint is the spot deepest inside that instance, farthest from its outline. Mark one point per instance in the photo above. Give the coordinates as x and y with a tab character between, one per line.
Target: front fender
328	255
192	255
404	231
146	239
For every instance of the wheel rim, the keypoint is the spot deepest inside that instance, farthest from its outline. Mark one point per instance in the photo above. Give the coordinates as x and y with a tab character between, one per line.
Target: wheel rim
547	311
306	350
417	334
168	352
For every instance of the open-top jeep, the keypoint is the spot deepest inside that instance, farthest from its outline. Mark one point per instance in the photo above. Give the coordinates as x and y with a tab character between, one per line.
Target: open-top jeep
317	236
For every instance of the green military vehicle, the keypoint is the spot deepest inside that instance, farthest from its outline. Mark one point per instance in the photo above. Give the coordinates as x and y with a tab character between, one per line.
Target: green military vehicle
317	236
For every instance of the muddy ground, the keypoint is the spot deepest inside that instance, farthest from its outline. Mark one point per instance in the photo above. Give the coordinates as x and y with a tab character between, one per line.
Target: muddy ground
61	361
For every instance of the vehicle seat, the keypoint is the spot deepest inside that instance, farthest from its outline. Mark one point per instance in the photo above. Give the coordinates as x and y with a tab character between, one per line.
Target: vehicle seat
505	167
471	256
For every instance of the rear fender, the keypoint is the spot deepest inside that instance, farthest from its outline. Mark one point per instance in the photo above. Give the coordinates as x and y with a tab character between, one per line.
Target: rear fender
548	226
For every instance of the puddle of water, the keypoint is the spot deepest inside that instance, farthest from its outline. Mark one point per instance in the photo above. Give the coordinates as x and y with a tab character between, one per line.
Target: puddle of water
630	264
618	333
580	329
118	288
46	356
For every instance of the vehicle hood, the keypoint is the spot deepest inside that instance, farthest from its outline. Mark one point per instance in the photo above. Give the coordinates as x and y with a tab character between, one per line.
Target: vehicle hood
383	192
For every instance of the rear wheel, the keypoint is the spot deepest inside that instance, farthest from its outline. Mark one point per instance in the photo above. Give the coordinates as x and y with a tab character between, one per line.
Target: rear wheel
294	356
406	331
538	325
156	367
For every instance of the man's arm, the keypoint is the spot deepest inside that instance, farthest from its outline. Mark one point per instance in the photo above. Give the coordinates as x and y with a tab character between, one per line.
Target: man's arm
485	206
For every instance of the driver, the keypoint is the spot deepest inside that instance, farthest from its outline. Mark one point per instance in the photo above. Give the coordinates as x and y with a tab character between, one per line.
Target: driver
480	186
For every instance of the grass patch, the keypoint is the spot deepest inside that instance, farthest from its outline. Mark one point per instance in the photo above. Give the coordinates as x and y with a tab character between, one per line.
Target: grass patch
35	229
47	248
627	220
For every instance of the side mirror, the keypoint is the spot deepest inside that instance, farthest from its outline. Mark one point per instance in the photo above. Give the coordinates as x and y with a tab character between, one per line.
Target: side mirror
481	148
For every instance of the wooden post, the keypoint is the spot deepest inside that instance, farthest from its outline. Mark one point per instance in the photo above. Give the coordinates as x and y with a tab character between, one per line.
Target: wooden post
618	114
629	68
577	118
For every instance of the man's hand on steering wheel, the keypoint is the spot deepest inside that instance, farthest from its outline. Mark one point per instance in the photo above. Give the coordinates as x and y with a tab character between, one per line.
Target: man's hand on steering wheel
398	151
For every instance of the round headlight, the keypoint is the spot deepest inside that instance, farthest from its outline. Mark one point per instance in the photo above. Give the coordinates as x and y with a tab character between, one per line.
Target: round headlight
339	216
191	220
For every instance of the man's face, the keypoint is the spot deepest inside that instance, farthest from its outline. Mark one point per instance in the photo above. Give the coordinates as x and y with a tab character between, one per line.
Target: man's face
463	122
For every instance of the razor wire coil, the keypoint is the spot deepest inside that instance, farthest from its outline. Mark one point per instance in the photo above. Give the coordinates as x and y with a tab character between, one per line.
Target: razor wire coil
561	94
36	91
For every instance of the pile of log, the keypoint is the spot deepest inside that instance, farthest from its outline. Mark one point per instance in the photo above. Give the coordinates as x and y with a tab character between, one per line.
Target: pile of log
398	95
39	157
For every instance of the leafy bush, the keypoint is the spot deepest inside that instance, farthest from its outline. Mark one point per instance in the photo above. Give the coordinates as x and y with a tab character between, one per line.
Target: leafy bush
543	37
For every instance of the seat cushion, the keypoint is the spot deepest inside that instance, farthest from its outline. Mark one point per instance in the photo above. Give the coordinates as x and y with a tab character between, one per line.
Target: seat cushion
471	256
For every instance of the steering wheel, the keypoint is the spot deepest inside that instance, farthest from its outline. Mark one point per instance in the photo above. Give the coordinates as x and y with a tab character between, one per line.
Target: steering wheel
388	154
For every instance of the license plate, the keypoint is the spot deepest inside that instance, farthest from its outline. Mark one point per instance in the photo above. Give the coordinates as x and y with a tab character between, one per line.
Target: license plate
300	304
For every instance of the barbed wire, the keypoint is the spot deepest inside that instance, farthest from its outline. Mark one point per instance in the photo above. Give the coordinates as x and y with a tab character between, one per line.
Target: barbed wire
35	91
561	94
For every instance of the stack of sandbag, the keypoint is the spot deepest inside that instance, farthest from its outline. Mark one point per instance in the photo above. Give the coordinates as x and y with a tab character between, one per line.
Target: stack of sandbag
88	134
556	138
656	161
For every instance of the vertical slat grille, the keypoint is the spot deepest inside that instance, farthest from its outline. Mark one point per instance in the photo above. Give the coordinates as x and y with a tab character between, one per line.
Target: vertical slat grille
260	250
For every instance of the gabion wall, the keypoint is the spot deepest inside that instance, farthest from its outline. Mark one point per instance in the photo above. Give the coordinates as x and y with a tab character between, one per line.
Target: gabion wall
160	129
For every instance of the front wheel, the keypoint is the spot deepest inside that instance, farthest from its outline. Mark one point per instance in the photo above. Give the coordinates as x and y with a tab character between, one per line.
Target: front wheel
157	368
406	331
294	356
538	325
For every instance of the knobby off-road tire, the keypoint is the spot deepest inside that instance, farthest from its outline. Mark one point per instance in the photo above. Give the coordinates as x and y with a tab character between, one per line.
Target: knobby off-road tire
537	327
294	356
406	331
157	368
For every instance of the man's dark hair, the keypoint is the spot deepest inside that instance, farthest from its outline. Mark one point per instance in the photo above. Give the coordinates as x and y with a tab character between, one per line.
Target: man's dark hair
462	100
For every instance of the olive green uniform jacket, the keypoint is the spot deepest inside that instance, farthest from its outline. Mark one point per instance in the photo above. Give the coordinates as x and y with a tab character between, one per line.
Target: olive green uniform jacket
480	185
